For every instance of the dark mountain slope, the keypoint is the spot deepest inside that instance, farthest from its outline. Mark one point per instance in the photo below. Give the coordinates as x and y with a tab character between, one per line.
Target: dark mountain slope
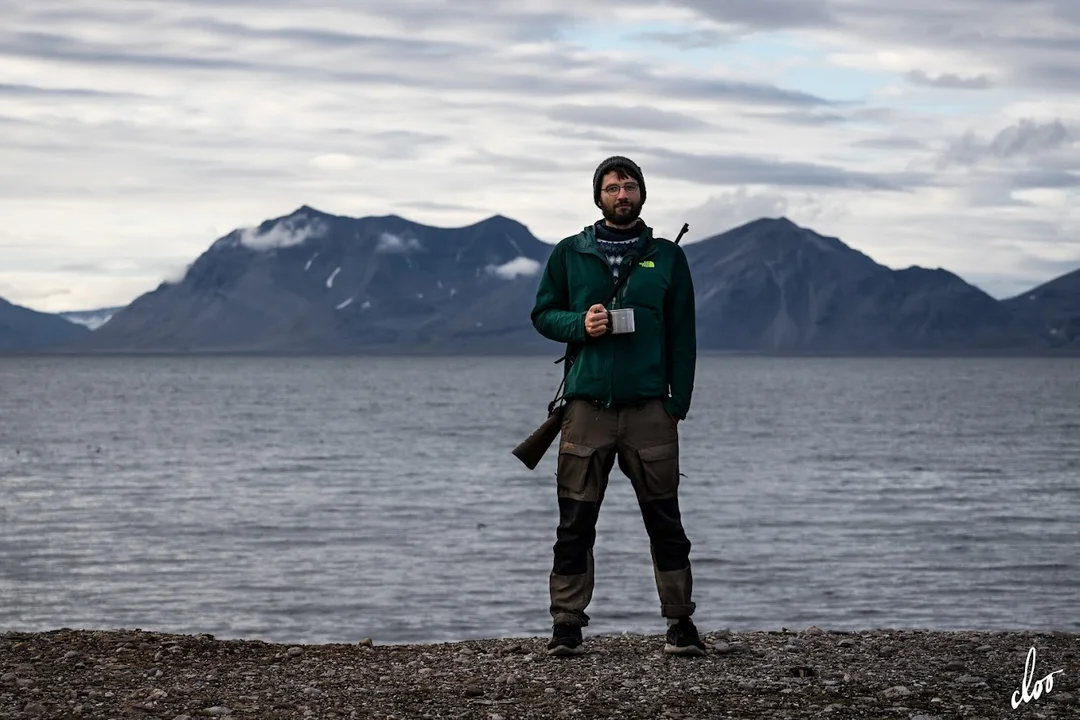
25	329
1052	310
312	282
772	286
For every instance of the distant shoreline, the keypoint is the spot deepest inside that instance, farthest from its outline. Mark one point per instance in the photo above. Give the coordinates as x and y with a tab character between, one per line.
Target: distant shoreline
910	674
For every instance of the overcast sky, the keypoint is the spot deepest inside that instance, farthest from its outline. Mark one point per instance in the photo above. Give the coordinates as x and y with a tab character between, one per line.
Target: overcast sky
133	134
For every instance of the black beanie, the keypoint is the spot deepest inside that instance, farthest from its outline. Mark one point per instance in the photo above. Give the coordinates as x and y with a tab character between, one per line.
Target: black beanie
616	161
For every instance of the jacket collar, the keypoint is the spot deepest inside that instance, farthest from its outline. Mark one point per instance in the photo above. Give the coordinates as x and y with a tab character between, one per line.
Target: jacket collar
586	242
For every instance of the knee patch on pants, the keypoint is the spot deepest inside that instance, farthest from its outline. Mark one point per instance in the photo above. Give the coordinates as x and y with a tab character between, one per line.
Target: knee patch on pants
575	535
671	547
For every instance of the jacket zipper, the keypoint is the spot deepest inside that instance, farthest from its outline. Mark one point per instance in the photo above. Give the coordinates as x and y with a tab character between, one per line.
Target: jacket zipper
614	305
621	296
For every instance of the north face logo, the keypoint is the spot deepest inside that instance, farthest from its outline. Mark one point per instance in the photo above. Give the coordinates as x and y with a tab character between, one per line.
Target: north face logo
647	263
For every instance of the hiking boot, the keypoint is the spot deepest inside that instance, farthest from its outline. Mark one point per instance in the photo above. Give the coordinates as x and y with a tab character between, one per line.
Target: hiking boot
566	640
682	639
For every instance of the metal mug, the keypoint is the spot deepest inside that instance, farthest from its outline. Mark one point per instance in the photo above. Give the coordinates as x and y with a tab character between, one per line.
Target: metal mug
621	321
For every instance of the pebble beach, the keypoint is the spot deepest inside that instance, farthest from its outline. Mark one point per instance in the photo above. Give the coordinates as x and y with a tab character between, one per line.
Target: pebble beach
808	673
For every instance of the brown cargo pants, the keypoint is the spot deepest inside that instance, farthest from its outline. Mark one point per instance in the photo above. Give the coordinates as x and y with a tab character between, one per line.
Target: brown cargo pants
645	439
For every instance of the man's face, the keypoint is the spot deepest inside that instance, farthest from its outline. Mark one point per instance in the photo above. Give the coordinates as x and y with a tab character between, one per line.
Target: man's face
623	208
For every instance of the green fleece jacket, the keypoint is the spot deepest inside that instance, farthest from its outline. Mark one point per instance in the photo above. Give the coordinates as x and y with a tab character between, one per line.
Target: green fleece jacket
658	359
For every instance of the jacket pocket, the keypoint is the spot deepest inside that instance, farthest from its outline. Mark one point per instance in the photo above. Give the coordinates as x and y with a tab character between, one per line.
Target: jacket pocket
584	379
572	473
660	470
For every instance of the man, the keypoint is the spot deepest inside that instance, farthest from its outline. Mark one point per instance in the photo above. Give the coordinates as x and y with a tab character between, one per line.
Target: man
626	393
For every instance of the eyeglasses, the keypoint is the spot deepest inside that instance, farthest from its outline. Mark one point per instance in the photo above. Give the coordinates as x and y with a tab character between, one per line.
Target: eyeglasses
629	187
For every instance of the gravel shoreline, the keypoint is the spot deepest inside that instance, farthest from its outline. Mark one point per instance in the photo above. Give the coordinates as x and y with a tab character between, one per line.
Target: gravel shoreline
811	673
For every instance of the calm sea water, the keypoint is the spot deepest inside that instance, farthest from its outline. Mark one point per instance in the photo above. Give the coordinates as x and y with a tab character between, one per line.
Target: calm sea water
327	500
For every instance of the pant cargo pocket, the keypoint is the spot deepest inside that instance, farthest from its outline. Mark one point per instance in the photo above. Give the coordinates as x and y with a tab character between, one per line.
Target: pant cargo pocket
660	470
572	473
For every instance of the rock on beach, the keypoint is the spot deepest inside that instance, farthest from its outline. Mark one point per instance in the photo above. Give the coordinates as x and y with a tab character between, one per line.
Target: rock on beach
815	673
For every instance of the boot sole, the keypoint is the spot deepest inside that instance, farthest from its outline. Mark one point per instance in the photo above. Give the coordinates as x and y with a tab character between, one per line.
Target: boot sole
565	651
690	650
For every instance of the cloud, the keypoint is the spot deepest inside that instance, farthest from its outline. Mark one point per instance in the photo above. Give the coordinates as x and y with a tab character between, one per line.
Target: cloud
438	206
518	267
727	210
284	233
516	163
1029	137
949	81
48	46
114	266
399	144
638	117
176	275
532	20
732	169
766	14
333	162
879	122
689	39
1019	45
890	142
1026	139
990	191
93	320
1045	179
696	88
390	243
440	65
1053	76
723	211
16	90
810	117
402	48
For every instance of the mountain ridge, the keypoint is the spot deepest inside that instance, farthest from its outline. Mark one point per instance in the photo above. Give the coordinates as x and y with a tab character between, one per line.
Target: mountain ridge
24	329
314	282
310	281
1053	307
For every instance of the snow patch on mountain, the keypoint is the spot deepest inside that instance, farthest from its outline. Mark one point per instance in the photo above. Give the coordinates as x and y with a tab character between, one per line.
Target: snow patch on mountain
390	243
92	319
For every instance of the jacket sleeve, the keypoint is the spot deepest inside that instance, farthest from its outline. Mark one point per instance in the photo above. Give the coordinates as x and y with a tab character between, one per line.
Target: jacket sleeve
551	315
681	337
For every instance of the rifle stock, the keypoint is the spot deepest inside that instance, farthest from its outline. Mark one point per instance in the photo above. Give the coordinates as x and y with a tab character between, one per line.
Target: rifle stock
532	448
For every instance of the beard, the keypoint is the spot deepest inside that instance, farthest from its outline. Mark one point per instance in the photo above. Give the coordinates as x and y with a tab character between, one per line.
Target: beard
621	212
